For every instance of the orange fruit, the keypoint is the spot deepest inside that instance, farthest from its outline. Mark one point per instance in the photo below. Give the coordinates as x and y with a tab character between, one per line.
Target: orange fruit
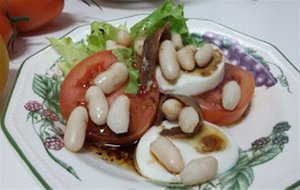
4	64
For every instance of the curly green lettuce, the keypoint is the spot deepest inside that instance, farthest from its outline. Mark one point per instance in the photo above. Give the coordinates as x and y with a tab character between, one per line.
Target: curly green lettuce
72	52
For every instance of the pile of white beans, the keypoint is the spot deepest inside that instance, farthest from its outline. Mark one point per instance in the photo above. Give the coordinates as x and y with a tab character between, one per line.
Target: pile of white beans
116	115
173	57
187	116
196	171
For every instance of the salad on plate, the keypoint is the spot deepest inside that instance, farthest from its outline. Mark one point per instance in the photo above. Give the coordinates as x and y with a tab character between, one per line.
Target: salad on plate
157	99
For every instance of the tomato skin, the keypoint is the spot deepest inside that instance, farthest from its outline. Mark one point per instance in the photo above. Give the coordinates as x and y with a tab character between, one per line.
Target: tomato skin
40	12
6	30
211	102
143	106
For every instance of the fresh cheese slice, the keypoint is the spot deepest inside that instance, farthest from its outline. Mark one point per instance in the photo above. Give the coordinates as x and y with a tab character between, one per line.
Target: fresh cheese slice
189	148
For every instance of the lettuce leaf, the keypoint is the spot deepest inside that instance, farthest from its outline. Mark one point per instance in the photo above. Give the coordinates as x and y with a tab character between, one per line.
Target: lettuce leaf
127	56
168	12
74	52
71	52
100	33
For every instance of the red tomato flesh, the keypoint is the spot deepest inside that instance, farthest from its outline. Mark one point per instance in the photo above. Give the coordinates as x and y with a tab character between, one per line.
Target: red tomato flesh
211	102
143	106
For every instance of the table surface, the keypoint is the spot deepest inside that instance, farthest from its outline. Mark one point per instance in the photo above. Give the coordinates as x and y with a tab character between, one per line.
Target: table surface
275	21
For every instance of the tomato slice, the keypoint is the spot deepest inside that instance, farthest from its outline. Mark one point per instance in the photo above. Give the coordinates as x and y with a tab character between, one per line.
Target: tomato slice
143	105
211	102
76	83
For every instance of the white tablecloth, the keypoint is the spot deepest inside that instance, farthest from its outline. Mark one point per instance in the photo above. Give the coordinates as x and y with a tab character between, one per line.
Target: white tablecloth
275	21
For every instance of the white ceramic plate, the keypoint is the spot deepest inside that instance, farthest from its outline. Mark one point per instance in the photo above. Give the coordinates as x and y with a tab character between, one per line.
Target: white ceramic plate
270	162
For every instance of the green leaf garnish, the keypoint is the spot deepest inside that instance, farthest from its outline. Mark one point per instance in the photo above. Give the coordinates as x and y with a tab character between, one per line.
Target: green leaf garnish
72	52
127	56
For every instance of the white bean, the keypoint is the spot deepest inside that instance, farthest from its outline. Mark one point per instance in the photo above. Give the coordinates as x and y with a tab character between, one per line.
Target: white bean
76	128
112	78
171	108
97	105
203	55
123	38
168	60
167	154
188	119
118	115
199	170
139	44
231	95
186	57
177	40
110	44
